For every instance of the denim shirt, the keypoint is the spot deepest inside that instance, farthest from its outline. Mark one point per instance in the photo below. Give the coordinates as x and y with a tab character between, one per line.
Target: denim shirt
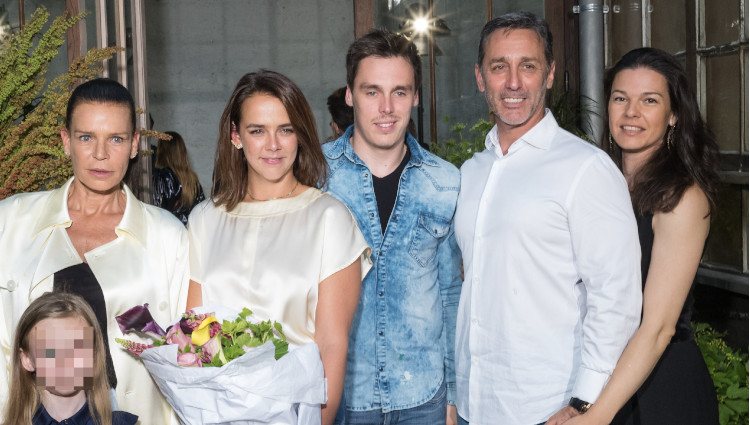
402	336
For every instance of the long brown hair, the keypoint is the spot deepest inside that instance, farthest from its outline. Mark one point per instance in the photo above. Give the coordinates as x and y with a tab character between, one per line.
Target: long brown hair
230	167
25	394
173	154
692	158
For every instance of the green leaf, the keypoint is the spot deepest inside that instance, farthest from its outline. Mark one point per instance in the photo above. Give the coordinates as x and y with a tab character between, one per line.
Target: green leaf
245	313
282	348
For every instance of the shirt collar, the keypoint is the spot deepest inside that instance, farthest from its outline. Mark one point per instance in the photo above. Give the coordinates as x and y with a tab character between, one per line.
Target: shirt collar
540	135
343	146
82	417
55	213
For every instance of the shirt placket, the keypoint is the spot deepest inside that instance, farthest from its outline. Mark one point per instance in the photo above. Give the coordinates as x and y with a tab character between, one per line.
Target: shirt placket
480	251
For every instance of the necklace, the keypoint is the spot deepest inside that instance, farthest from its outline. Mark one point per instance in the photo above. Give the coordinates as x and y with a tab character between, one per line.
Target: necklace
273	199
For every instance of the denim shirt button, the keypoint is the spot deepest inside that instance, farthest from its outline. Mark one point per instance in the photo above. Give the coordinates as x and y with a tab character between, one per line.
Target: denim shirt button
380	368
380	333
380	294
372	215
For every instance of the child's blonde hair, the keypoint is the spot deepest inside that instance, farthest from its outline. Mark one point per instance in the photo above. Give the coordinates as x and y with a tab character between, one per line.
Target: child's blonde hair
25	395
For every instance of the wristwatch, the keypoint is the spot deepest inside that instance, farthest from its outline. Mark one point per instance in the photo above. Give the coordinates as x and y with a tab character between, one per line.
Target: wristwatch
580	405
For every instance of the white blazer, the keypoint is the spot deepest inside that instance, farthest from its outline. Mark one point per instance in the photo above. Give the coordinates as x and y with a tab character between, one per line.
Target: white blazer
146	263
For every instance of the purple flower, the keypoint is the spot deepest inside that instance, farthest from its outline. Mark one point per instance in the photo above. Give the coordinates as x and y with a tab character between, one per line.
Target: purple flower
138	319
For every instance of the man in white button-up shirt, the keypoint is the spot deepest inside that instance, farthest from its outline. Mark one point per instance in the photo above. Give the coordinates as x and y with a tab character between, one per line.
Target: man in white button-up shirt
552	287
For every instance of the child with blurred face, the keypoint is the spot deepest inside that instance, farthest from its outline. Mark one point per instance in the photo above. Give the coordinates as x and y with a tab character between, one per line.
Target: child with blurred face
58	373
61	356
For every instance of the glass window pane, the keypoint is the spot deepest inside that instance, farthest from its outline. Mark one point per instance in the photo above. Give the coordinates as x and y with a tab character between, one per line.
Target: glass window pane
625	28
668	26
723	100
725	246
722	21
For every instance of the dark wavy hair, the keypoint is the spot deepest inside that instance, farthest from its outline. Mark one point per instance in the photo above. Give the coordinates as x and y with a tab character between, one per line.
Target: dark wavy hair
693	157
230	167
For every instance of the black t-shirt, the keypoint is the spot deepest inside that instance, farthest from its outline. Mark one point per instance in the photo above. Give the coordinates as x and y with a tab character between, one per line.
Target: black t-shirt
386	189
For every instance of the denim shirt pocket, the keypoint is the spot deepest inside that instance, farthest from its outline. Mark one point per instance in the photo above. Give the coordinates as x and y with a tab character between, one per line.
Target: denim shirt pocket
429	231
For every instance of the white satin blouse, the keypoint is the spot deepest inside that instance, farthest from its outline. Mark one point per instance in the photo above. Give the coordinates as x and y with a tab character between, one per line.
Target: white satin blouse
270	256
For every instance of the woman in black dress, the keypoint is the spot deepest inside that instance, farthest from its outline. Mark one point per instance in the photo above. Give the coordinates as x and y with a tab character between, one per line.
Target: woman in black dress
658	137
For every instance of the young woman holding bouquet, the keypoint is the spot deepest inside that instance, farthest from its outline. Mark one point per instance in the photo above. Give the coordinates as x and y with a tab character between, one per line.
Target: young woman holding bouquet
268	238
659	139
58	371
94	238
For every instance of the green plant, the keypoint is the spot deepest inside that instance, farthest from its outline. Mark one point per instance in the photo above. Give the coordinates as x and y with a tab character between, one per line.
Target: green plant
31	153
729	371
463	142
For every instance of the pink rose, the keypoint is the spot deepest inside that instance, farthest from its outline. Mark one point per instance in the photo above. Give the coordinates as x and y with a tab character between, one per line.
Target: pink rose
176	336
188	359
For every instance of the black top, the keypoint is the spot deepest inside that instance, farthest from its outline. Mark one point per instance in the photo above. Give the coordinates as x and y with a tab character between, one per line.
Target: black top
167	191
82	417
80	280
683	329
386	189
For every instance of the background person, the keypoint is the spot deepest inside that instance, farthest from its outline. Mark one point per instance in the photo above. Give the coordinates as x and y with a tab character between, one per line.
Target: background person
59	372
669	159
269	239
176	186
92	237
342	115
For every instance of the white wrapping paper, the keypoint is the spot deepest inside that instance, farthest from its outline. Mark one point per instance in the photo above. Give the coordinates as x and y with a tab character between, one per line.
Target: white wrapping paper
252	389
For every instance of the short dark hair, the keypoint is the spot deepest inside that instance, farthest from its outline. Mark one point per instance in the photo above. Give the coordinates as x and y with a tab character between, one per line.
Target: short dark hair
341	113
383	44
693	157
100	90
230	167
518	21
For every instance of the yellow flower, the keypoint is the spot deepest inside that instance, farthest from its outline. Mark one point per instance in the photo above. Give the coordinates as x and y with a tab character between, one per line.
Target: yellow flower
201	334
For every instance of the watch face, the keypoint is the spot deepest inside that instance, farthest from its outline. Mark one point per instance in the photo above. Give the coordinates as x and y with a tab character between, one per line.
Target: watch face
580	405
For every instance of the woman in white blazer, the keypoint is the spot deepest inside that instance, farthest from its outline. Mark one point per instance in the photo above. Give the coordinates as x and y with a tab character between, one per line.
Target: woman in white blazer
94	238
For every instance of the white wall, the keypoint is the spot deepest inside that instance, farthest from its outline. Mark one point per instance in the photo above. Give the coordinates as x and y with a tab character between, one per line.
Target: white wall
197	50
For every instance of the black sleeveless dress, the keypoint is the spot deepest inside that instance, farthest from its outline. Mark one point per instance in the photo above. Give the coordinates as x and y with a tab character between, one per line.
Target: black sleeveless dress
680	389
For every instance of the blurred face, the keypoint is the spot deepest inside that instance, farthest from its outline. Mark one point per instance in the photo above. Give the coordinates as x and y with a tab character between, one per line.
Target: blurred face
268	140
382	96
100	142
514	78
61	354
639	110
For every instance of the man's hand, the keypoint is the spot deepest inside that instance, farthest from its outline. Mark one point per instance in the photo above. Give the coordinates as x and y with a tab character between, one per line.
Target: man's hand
562	415
451	415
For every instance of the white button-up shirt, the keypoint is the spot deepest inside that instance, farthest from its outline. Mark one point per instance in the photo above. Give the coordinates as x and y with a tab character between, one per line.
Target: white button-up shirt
552	286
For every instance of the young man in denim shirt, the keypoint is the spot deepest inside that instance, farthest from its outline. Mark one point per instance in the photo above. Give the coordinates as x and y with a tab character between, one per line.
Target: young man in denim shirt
400	362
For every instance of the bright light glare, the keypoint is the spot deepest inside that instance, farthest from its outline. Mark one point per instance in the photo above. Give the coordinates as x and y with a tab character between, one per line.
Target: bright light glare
421	25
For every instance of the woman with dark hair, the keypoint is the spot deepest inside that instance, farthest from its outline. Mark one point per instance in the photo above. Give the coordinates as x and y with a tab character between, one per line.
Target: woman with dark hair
669	159
269	239
92	237
176	186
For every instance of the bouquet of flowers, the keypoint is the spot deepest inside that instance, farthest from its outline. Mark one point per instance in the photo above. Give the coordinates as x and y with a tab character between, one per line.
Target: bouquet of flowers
225	368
